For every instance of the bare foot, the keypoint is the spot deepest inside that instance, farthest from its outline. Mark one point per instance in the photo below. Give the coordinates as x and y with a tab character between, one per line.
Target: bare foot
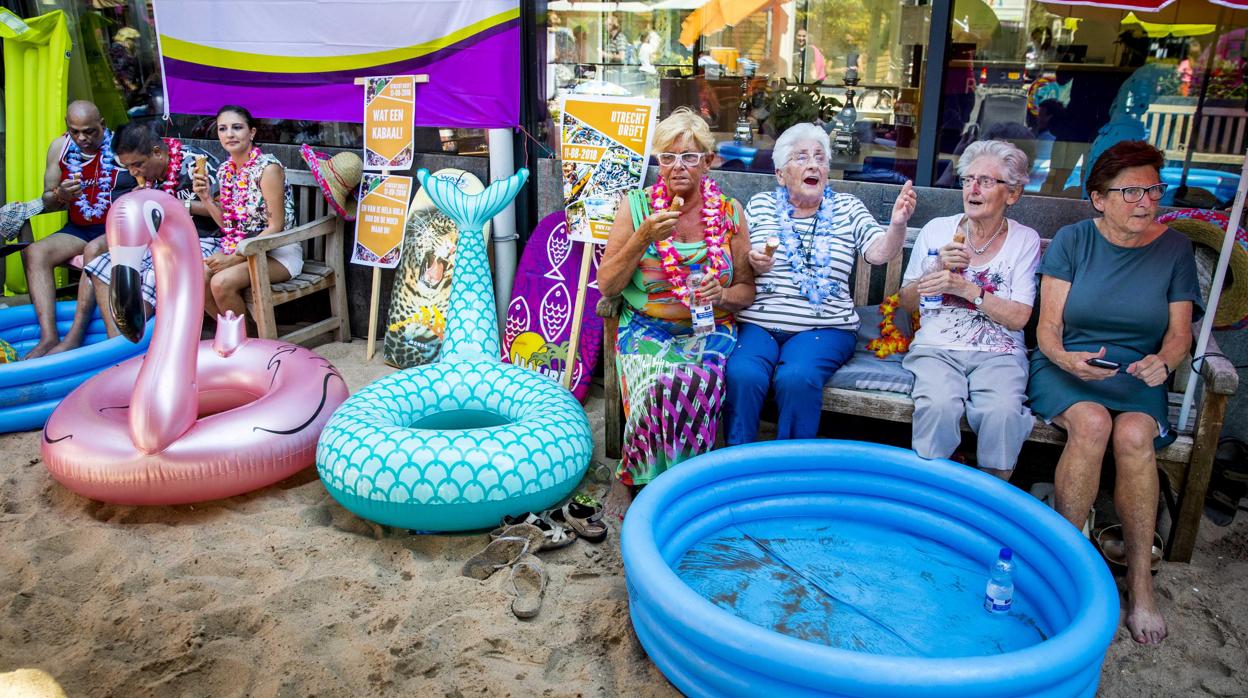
40	349
66	345
1143	618
618	500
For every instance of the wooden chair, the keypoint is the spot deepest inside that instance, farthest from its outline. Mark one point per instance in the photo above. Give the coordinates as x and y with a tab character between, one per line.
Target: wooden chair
321	232
1217	139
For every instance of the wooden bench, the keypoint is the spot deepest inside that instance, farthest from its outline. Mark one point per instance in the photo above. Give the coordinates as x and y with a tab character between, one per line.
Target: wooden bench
1186	464
321	232
1219	139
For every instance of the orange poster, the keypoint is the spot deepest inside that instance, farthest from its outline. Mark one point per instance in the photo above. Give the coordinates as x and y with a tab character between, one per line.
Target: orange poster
604	146
389	115
381	220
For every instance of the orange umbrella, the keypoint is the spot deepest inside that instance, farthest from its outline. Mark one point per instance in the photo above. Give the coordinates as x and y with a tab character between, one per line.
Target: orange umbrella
716	15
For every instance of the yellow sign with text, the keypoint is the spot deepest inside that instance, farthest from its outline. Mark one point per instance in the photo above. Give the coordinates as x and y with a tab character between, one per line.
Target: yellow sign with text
381	219
626	124
389	118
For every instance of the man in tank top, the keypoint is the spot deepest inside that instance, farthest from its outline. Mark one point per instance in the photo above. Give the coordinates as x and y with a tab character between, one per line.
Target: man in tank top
83	179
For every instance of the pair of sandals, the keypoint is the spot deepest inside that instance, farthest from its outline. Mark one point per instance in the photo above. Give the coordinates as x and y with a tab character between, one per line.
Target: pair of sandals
581	517
514	548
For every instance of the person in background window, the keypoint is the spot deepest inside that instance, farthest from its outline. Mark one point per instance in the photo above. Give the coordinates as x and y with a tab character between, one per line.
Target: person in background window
617	48
122	56
808	61
970	358
1120	287
254	200
1187	70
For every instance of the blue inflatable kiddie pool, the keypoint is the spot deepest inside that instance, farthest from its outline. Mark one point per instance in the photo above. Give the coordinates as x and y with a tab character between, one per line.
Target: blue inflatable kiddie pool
840	568
30	390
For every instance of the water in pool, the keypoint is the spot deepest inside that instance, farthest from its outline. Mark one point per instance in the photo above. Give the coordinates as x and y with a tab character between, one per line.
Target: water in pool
856	586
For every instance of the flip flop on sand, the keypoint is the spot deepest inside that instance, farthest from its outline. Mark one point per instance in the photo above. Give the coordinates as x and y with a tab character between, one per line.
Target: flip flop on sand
1114	549
585	519
528	579
555	534
500	553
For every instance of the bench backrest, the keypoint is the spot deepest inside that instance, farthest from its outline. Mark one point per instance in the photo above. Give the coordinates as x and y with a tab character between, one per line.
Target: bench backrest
310	205
1221	130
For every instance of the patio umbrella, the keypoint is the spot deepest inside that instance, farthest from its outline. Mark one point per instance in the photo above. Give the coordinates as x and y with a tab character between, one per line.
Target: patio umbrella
1160	30
717	14
1215	289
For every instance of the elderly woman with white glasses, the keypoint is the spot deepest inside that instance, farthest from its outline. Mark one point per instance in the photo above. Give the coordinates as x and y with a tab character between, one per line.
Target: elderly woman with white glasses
969	356
801	326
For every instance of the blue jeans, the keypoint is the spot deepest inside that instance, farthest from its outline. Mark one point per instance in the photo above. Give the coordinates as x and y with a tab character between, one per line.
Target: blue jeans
798	364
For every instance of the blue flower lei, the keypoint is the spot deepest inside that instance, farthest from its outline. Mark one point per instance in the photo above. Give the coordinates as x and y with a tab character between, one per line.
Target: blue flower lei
817	284
103	182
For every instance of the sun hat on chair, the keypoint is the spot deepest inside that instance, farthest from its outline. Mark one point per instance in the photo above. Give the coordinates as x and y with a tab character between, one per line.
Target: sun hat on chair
14	214
338	177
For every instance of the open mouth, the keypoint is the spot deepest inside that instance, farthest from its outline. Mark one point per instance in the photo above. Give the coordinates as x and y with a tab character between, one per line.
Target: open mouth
810	180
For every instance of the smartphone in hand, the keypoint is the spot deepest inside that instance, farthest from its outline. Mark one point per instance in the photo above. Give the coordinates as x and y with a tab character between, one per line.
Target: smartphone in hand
1103	363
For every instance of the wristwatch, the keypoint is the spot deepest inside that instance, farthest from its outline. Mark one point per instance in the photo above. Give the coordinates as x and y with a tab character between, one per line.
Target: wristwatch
187	203
979	300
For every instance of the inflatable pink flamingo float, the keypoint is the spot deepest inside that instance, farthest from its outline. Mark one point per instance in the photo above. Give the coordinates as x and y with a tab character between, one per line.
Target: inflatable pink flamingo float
189	421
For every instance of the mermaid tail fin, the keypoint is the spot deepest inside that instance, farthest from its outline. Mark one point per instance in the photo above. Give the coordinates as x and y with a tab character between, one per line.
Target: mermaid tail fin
472	322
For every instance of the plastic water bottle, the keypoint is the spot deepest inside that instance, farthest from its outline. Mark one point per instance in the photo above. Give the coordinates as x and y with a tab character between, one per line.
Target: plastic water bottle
930	305
702	313
999	596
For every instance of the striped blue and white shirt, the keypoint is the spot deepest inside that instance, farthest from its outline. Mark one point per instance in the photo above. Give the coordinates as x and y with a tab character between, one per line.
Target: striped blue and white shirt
778	303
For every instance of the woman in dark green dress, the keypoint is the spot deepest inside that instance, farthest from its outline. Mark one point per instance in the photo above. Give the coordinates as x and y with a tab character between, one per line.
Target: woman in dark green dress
1122	288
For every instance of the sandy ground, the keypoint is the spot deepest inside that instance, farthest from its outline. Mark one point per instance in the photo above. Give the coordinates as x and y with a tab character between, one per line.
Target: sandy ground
284	593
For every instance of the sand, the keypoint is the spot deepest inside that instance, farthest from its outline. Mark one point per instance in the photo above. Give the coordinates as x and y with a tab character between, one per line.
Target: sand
284	593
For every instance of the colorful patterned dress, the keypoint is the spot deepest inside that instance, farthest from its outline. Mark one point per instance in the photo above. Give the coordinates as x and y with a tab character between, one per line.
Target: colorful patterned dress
672	380
289	256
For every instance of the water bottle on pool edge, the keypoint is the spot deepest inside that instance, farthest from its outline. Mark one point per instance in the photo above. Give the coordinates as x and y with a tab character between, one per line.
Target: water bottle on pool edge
930	305
999	596
702	313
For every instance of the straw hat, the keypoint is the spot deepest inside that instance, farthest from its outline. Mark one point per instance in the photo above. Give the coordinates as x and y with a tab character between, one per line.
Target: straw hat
1208	228
339	177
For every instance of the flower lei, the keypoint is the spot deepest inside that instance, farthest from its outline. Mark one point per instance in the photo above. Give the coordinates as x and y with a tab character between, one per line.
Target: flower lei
176	156
891	339
714	231
235	183
103	181
817	284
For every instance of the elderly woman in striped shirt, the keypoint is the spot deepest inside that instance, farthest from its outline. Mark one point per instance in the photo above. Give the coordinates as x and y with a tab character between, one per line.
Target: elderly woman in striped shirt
801	326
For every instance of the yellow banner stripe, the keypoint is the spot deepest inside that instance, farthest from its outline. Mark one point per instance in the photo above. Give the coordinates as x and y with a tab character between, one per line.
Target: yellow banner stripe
254	62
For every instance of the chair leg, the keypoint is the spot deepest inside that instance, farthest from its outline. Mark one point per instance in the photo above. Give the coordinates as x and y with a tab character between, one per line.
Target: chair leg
338	292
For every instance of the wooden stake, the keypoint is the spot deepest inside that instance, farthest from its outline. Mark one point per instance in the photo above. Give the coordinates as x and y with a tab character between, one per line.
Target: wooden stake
578	309
373	302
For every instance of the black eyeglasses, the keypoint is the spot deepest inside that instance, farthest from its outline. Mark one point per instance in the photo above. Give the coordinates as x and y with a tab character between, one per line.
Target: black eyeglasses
1133	195
985	182
691	159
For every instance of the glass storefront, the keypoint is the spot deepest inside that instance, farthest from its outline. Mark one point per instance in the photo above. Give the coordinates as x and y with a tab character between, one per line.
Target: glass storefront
1062	81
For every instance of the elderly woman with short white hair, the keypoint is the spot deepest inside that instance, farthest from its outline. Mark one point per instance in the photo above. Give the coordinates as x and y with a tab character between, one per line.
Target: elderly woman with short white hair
801	326
969	357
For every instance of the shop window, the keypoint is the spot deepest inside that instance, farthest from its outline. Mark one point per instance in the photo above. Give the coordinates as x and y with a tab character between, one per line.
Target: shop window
774	63
1065	82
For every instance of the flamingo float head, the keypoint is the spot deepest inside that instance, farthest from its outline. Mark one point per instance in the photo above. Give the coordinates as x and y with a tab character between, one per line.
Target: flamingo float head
134	223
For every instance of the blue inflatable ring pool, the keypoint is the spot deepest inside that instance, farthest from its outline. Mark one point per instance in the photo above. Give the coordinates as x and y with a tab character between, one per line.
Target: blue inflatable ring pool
716	645
30	390
454	446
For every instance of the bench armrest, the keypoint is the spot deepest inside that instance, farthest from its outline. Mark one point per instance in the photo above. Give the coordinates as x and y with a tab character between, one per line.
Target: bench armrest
1218	371
609	307
320	227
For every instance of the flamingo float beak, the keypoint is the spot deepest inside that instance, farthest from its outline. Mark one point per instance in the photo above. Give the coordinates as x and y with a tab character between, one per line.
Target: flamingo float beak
126	298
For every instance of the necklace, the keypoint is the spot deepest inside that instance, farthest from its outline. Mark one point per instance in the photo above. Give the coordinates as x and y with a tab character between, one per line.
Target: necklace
713	233
812	271
980	250
235	187
173	169
103	179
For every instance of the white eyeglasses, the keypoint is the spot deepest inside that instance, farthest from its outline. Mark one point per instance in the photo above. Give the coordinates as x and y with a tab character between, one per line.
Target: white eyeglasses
690	159
804	159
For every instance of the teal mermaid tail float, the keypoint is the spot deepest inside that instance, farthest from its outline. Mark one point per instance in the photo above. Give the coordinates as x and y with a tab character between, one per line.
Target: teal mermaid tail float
458	444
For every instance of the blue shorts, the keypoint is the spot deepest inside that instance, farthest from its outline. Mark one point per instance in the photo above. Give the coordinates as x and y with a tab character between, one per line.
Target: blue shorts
86	233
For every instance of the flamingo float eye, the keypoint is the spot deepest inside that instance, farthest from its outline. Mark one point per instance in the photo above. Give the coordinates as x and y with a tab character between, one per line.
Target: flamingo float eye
156	215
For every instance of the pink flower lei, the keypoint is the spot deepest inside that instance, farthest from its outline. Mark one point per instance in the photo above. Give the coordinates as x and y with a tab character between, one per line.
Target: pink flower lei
174	168
713	233
235	183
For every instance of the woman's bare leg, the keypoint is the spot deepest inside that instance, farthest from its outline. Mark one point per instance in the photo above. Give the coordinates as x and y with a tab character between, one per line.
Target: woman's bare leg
1135	499
1088	426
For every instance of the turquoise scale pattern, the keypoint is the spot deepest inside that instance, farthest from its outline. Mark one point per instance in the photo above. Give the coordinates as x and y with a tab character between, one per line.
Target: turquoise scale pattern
460	476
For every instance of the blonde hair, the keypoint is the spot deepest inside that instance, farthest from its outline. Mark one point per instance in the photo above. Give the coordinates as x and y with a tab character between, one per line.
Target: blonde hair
682	121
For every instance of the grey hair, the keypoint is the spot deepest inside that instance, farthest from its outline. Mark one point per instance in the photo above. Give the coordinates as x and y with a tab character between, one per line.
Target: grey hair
1017	169
794	135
